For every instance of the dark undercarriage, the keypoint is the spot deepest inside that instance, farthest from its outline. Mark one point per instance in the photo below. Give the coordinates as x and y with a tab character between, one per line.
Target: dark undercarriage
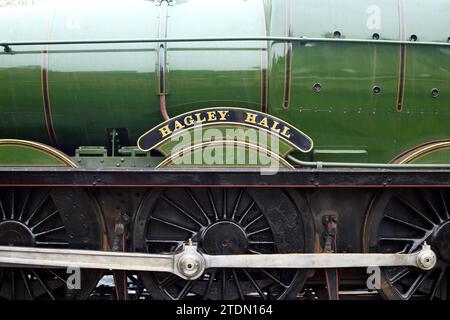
230	212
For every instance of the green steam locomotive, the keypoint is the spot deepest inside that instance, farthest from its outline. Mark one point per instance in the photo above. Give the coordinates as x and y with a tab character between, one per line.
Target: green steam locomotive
242	149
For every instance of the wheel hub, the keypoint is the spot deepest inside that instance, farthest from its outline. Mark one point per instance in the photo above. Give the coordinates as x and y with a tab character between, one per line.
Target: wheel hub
441	242
224	237
14	233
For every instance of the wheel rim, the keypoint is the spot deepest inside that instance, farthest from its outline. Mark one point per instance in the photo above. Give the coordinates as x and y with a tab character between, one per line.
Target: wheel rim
221	221
401	221
36	218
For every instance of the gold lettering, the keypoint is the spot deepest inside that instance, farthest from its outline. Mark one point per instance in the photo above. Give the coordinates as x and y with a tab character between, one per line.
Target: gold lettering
223	115
188	120
251	117
211	116
198	118
275	126
263	122
165	131
285	132
178	125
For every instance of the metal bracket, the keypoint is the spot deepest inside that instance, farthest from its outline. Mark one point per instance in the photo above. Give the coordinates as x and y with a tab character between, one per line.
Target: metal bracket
331	274
190	264
119	245
6	47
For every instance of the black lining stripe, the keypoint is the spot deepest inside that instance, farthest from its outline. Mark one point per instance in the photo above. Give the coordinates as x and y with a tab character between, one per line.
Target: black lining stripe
288	57
162	49
162	80
401	78
46	98
287	80
264	80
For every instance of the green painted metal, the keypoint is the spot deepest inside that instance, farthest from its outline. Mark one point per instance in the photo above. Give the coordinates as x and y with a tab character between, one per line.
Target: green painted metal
93	87
24	156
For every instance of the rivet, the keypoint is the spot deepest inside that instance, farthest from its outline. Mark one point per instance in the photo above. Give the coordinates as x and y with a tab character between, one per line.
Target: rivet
413	37
376	36
336	34
317	87
435	93
376	90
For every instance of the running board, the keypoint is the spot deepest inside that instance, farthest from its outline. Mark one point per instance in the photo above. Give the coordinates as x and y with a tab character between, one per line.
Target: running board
190	264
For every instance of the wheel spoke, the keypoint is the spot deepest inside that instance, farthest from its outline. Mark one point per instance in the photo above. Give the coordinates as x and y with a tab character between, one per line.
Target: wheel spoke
247	211
433	209
2	210
274	279
12	204
213	205
405	223
436	283
400	275
13	285
172	224
191	195
52	243
238	284
44	220
25	202
40	204
44	286
444	204
253	282
49	231
209	285
224	284
416	285
258	231
27	284
169	280
2	278
185	290
398	239
253	221
236	205
181	210
261	242
64	281
415	210
224	211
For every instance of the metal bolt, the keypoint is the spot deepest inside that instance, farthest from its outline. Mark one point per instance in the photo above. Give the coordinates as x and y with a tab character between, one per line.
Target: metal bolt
376	90
317	87
189	265
426	259
435	93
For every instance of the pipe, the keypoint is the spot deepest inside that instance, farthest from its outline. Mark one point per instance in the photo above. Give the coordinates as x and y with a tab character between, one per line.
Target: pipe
320	165
7	45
